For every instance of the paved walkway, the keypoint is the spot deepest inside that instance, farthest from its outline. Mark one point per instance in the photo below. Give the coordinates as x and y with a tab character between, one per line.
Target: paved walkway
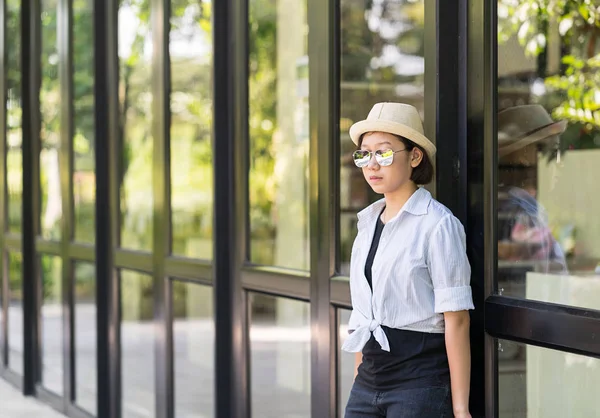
14	405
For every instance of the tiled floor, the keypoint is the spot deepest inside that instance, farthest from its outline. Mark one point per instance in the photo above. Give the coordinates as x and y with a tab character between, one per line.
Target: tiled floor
14	405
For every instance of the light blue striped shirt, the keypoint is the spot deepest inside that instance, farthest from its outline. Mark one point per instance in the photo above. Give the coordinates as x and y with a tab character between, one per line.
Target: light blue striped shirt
420	271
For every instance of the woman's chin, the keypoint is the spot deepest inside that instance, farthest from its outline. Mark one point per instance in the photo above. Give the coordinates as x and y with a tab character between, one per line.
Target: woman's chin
379	188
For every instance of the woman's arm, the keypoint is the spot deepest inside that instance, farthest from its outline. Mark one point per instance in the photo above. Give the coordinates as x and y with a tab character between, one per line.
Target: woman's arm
357	362
459	358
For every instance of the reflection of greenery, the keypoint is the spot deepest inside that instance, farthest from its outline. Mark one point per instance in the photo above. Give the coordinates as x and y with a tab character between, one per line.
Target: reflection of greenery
85	282
137	296
363	42
137	293
13	117
135	128
51	273
50	127
262	124
180	299
83	121
573	93
15	270
191	129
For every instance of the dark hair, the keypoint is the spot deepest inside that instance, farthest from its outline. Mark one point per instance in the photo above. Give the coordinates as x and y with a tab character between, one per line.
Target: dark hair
421	174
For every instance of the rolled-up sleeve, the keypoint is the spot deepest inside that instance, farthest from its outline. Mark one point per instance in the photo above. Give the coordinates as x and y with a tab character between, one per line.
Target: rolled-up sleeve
449	267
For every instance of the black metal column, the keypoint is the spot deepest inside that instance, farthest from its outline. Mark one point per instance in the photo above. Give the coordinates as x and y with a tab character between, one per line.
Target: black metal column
481	198
323	53
106	131
162	218
229	361
239	15
446	95
30	73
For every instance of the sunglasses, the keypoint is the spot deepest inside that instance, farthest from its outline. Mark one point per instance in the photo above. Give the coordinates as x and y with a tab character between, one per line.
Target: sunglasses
384	157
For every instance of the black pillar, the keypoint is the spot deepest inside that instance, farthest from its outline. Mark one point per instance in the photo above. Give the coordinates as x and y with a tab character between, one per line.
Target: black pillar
106	141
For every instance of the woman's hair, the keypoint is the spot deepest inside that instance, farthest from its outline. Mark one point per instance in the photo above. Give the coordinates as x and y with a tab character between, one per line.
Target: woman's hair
421	174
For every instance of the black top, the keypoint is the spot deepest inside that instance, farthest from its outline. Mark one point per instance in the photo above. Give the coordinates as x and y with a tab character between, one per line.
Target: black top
416	359
374	245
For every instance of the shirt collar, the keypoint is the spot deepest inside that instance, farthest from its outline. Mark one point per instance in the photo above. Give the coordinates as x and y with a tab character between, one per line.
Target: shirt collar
417	204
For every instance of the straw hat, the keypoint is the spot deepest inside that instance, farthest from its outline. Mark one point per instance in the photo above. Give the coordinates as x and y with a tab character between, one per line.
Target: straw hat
520	126
394	118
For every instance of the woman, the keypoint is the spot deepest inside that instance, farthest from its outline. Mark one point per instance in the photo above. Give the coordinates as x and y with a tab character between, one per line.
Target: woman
409	280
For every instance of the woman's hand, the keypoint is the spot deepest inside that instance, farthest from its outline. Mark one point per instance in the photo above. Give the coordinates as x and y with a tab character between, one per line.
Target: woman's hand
462	415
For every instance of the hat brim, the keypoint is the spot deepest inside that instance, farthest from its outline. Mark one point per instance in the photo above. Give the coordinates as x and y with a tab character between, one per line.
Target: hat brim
552	129
360	128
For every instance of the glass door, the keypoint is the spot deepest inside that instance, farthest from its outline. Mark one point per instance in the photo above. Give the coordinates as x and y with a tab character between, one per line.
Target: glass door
534	150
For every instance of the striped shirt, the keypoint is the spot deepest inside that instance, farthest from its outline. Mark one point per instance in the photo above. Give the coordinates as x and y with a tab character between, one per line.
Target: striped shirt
420	271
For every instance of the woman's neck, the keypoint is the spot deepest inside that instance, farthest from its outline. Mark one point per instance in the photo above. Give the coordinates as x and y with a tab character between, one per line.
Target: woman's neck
395	200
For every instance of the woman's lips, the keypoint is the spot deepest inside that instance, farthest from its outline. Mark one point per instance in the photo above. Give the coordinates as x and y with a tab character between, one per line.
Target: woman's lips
374	179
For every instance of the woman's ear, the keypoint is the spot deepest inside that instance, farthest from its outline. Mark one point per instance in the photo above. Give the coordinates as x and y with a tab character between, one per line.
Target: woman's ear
416	157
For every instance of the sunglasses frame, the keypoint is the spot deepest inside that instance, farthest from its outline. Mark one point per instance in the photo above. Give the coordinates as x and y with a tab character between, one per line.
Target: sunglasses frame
382	161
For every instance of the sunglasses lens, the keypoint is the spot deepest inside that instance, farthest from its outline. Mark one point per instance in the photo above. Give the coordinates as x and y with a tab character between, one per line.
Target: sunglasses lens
385	157
361	158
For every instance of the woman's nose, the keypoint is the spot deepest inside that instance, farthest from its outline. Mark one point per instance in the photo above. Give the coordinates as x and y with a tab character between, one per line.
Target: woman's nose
373	165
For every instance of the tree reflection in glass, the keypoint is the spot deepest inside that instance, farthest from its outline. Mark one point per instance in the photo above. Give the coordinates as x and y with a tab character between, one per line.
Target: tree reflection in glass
50	134
190	47
548	148
14	136
84	178
278	125
135	127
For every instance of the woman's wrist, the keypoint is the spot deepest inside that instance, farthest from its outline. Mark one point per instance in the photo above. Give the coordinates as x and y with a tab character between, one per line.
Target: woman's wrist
461	411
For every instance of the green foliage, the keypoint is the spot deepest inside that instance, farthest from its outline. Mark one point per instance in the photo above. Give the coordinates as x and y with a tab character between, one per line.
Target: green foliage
574	93
262	115
361	42
14	113
15	276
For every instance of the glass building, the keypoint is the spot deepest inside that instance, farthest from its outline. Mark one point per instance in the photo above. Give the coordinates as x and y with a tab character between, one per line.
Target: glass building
179	201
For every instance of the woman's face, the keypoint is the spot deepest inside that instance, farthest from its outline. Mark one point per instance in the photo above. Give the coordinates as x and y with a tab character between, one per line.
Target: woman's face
388	179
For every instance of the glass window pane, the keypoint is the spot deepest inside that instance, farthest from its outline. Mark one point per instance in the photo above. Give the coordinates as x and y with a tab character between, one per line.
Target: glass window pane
51	321
278	124
15	312
50	135
84	177
135	97
548	154
85	336
346	362
190	46
14	136
539	382
382	59
193	344
137	345
280	357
